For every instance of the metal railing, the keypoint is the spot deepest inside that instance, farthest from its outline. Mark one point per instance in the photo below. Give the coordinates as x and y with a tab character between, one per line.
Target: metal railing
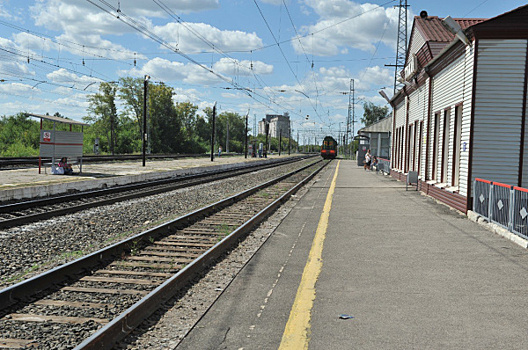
384	165
502	204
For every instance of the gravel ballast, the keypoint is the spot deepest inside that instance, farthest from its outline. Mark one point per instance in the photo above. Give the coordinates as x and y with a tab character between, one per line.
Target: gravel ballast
31	249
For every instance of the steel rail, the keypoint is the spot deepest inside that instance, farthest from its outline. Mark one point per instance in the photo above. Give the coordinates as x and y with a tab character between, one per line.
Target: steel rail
220	174
121	326
34	161
22	290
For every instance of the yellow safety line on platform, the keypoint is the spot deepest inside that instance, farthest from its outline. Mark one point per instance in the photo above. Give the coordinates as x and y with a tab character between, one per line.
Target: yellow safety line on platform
297	332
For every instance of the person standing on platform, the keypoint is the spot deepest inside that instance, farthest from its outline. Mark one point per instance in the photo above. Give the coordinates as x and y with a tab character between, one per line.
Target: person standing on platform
368	158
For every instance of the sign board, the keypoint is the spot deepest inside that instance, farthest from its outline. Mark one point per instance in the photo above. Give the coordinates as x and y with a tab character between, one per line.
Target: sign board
411	68
46	136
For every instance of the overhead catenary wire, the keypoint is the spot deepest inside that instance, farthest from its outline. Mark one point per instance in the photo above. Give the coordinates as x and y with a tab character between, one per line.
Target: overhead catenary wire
145	31
285	58
325	28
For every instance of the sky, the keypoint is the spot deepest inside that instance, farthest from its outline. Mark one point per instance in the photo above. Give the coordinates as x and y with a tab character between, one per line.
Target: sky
251	57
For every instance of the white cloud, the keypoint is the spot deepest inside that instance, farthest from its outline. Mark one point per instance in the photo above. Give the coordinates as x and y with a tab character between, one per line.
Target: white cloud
193	37
74	100
347	24
235	67
29	41
84	25
18	89
165	70
187	95
273	2
63	76
376	77
56	13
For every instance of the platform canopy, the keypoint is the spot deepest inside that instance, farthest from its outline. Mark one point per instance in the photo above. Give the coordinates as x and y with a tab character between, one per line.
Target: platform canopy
56	119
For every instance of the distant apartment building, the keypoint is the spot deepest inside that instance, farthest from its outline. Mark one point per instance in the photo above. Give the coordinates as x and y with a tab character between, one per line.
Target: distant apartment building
278	125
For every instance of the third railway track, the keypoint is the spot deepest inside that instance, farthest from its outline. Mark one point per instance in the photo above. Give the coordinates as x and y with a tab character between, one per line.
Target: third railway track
24	212
98	299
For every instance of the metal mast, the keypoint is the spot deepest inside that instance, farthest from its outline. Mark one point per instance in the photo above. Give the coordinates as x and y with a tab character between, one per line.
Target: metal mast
353	93
401	48
351	116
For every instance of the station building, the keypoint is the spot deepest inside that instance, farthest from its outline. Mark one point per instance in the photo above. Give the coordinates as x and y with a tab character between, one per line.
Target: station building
462	112
378	135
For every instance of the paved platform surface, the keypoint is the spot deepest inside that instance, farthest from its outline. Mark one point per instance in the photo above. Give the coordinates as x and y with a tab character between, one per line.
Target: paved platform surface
28	183
412	273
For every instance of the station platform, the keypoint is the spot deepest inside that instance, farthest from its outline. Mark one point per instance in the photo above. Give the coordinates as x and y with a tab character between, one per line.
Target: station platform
361	263
28	183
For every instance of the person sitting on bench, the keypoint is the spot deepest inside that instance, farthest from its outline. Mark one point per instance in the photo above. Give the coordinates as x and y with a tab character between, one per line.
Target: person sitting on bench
67	167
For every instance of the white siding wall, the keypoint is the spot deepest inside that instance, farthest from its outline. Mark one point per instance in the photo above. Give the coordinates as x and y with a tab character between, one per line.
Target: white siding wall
498	109
525	160
424	136
466	119
449	89
416	43
418	102
400	121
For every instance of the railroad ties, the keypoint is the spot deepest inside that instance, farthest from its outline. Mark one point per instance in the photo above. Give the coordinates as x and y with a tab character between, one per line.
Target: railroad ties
72	311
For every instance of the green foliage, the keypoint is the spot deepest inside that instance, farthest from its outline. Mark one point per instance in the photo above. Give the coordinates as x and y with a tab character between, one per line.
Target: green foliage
237	127
103	114
165	126
131	93
19	136
373	113
115	118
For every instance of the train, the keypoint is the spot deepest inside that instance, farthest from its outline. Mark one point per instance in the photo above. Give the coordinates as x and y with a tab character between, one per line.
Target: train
329	148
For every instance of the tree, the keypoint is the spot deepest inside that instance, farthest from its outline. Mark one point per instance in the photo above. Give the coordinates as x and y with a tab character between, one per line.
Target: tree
373	113
131	92
19	136
104	112
165	126
237	127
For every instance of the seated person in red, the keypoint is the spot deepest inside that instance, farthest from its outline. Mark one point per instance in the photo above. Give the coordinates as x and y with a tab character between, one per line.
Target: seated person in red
67	167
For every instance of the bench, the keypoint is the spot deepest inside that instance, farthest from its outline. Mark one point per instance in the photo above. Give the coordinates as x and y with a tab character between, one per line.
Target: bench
73	162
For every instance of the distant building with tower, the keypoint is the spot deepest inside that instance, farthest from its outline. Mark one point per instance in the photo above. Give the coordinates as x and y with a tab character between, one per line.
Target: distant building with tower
278	125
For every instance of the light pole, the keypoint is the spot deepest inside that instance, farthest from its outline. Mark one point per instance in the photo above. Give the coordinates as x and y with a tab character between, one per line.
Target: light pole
145	96
213	133
246	137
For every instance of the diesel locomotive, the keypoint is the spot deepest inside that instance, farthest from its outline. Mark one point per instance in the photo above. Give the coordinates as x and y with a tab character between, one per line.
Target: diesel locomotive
329	148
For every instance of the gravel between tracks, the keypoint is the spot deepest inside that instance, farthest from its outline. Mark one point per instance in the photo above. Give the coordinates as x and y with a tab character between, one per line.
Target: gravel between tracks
169	325
31	249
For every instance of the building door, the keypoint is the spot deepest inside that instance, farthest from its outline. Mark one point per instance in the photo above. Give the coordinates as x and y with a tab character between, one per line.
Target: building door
420	145
445	144
410	149
457	145
436	144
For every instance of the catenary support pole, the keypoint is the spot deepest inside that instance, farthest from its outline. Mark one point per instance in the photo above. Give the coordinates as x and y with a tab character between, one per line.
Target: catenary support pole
145	96
213	133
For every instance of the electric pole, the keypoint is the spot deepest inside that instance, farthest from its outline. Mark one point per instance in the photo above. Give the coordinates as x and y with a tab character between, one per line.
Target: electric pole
227	135
280	141
401	48
353	94
145	87
213	133
246	137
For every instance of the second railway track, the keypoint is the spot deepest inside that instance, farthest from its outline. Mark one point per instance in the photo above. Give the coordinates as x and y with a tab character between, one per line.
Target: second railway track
24	212
149	268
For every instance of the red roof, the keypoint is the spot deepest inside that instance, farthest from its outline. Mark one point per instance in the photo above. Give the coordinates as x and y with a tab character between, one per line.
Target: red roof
432	28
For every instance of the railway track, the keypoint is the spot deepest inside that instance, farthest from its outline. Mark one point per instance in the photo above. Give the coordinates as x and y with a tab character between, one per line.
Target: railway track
95	301
10	162
21	213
